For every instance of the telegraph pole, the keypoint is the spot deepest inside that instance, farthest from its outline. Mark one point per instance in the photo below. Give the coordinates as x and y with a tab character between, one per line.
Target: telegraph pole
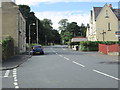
103	33
37	29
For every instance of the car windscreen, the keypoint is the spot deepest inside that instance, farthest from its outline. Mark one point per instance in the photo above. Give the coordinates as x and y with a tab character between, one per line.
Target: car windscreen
36	47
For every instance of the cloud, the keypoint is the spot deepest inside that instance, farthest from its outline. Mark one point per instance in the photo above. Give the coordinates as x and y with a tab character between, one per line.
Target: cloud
36	2
56	16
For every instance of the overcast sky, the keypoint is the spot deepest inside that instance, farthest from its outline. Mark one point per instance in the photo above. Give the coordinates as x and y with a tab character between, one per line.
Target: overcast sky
73	10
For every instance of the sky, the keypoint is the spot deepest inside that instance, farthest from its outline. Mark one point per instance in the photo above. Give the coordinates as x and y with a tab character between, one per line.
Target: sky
73	10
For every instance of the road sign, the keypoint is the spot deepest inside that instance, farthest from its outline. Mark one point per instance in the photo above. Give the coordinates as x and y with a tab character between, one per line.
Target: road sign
117	33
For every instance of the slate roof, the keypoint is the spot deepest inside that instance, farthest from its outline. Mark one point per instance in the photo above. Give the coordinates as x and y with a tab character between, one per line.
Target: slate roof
97	10
117	13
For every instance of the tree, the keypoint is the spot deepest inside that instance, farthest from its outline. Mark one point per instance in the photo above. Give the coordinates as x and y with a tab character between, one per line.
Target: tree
30	18
66	36
25	10
47	26
83	30
63	24
46	34
73	28
56	39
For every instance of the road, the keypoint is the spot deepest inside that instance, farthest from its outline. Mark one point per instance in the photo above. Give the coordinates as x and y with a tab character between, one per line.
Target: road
62	67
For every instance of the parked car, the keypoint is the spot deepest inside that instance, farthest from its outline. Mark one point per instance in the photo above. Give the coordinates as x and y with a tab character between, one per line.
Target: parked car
37	50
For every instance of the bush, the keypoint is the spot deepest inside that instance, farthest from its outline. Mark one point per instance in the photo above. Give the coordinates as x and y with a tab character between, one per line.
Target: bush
92	45
7	48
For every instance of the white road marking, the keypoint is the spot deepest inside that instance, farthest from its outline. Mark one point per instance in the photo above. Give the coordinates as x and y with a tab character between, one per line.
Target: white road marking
60	55
14	69
106	74
7	73
64	49
78	64
15	83
16	87
66	58
14	75
15	78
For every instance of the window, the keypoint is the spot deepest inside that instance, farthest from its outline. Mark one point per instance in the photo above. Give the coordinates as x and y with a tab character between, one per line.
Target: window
109	28
106	14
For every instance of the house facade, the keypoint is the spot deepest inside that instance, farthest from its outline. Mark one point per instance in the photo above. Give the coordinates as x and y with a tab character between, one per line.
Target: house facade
104	22
13	24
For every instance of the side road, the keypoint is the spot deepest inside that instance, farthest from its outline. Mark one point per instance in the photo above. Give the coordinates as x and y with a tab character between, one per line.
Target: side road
14	61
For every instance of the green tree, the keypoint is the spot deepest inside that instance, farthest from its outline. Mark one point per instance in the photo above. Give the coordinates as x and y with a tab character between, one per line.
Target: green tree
56	37
47	26
66	36
74	29
63	24
83	30
30	18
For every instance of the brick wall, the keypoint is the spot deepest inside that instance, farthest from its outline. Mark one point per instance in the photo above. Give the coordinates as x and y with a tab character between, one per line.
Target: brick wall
108	48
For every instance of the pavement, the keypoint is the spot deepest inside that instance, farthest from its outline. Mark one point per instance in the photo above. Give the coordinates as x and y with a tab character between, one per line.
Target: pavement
15	61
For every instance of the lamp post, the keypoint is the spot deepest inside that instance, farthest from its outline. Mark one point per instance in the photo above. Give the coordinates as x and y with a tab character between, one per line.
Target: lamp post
29	35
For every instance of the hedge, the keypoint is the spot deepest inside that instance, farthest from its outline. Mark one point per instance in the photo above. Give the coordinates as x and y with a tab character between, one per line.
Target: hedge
92	45
7	48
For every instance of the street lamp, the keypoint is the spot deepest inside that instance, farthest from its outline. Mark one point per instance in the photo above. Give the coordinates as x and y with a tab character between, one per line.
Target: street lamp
29	35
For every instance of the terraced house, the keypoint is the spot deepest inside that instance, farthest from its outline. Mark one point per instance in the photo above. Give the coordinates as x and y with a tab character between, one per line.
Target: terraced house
104	22
14	25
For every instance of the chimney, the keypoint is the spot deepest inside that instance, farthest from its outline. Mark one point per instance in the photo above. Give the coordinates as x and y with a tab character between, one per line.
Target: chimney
110	5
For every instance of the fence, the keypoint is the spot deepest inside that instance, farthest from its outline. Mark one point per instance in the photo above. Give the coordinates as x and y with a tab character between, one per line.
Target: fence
106	49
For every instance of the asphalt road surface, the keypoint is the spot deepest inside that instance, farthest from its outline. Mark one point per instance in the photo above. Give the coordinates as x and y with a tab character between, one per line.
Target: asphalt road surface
62	67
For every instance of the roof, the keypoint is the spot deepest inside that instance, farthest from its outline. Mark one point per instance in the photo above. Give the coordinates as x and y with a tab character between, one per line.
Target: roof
97	11
117	13
78	39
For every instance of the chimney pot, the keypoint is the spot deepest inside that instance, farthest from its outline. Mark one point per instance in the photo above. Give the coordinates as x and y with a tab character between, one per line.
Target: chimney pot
110	5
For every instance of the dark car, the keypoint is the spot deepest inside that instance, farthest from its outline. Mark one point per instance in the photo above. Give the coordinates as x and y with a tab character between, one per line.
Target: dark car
37	50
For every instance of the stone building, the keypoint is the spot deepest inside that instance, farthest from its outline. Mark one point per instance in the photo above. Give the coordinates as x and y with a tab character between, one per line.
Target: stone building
13	24
104	22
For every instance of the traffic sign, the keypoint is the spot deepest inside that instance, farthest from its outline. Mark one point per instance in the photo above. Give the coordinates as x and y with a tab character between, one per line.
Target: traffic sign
117	33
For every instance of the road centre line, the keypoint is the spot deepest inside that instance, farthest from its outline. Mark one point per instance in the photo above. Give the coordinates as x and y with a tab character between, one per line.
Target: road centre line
106	74
7	73
60	55
78	64
66	58
63	49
